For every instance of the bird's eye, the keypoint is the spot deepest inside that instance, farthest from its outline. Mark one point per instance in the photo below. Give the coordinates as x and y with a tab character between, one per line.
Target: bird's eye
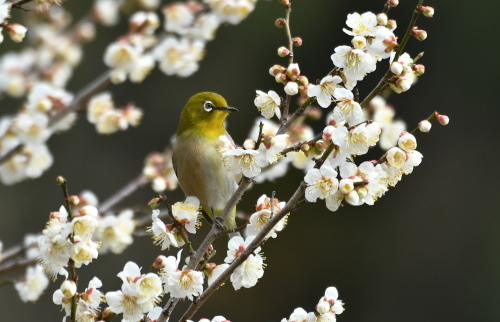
208	106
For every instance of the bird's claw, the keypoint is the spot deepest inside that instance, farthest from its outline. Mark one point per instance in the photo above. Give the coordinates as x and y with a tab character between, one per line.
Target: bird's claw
220	223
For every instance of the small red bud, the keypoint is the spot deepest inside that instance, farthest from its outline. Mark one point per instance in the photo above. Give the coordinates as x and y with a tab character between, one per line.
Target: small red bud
392	3
442	119
280	22
297	41
160	262
283	51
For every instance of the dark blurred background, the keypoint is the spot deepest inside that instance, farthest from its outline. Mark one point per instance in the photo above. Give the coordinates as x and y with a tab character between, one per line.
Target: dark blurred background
427	251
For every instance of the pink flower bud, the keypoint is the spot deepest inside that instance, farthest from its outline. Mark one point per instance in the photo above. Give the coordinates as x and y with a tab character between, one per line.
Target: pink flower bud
283	51
392	3
276	70
280	78
73	200
442	119
302	80
424	126
419	34
160	262
280	22
293	71
427	11
297	41
16	32
418	69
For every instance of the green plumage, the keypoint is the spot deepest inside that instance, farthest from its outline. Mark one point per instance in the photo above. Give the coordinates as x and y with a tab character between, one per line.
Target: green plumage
196	159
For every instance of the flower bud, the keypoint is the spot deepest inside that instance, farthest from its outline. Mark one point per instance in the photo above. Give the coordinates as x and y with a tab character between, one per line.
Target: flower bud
362	192
285	2
382	19
283	51
280	78
323	307
346	186
88	211
249	144
427	11
16	32
418	69
396	157
291	88
358	42
396	68
420	34
303	89
68	288
60	180
391	24
424	126
276	70
302	80
392	3
280	22
352	198
442	119
74	200
293	71
160	262
85	31
155	203
297	41
305	147
319	147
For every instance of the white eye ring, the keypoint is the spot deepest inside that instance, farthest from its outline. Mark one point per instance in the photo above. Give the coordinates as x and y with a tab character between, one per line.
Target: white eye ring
208	106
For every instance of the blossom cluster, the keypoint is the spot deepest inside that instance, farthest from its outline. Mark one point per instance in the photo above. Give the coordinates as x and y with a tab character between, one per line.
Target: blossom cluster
159	169
87	303
328	307
188	26
108	119
15	31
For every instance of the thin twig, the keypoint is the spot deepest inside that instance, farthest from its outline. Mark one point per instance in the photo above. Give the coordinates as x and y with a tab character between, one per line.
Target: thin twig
124	192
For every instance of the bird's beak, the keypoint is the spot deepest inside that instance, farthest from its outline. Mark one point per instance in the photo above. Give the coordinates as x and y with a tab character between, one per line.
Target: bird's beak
228	108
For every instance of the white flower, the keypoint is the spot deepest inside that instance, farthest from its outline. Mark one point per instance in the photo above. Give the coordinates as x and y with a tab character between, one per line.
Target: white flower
230	10
83	251
121	55
260	218
361	24
356	141
384	43
324	91
162	233
178	18
32	286
424	126
347	108
186	213
238	160
179	57
354	62
106	11
300	315
115	232
4	10
321	183
396	157
92	297
407	142
413	159
44	97
390	134
249	272
132	307
273	146
185	283
268	104
215	273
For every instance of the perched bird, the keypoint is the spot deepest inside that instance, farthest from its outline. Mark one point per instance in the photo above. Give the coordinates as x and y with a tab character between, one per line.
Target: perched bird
196	159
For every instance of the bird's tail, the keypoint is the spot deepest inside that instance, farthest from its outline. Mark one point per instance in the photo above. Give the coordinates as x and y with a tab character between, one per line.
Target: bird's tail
230	222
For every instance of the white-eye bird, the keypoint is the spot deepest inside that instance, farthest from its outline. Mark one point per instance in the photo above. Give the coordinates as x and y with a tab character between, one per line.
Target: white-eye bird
196	159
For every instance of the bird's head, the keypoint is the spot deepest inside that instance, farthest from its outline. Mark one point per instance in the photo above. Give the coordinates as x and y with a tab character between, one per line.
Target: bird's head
204	114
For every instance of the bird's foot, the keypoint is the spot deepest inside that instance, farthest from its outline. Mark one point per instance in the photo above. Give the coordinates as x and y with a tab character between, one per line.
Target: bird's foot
220	223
